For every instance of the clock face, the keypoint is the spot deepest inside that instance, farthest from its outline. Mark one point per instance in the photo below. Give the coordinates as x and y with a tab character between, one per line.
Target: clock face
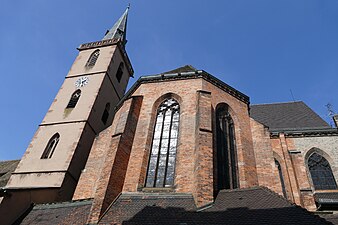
82	81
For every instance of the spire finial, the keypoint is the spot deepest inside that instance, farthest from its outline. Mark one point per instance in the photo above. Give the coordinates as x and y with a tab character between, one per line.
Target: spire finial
119	30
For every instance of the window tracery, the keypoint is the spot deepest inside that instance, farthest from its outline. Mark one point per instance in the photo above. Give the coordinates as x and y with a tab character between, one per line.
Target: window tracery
321	173
93	58
281	178
50	148
226	149
74	99
161	167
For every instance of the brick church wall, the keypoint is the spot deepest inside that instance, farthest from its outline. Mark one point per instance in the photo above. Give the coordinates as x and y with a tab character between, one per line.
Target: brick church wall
266	170
240	114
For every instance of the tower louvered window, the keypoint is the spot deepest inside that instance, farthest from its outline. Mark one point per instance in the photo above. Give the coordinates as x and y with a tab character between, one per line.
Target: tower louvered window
321	173
281	179
105	114
119	72
50	148
93	58
162	158
74	99
226	149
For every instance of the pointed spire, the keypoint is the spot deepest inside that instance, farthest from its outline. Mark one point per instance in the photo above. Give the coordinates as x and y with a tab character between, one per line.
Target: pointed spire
119	30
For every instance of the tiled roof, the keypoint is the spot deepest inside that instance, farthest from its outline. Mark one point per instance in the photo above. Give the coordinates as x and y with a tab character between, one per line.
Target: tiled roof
236	207
58	213
6	169
130	206
183	69
287	116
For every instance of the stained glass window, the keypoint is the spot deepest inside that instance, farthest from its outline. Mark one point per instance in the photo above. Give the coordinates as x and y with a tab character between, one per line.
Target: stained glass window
93	58
162	159
74	99
321	173
226	149
49	150
281	179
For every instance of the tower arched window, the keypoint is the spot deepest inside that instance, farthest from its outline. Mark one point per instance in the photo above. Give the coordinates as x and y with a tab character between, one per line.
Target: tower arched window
119	72
51	145
226	149
161	167
93	58
105	114
281	178
74	99
321	173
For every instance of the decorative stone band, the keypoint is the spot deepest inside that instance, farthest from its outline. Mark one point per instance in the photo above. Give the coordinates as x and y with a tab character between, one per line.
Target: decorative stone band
98	44
109	42
305	132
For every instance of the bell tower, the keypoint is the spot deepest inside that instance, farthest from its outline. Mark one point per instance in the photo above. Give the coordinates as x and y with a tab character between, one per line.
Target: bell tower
84	106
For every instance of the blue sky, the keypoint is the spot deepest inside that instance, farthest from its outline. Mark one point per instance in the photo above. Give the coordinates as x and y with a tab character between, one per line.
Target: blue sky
263	48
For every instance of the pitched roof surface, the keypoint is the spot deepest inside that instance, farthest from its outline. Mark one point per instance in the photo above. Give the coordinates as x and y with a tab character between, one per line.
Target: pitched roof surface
6	169
236	207
59	213
287	116
127	206
183	69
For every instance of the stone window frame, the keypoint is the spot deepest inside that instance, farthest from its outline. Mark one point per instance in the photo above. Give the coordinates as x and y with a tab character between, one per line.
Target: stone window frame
281	177
162	109
74	99
119	72
105	114
327	157
51	146
234	120
93	59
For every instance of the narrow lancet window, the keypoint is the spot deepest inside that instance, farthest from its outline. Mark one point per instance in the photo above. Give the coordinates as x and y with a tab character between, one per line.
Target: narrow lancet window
281	179
105	114
93	58
50	148
321	173
119	72
162	158
226	149
74	99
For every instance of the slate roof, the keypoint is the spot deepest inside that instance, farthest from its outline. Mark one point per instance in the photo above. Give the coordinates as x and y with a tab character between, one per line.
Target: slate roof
183	69
287	116
130	206
58	213
236	207
6	169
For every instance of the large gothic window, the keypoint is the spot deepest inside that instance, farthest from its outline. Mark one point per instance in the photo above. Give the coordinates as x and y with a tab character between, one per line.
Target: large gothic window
226	149
161	166
50	148
93	58
74	99
321	173
281	179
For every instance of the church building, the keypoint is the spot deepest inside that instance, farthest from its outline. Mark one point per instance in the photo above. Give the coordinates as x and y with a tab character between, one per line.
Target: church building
179	147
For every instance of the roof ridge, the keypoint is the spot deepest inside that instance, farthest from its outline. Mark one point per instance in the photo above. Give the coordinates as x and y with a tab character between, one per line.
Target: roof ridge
275	103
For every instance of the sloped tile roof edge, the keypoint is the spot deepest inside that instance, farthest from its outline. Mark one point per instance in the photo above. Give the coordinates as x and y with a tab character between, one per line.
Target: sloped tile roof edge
280	197
185	76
